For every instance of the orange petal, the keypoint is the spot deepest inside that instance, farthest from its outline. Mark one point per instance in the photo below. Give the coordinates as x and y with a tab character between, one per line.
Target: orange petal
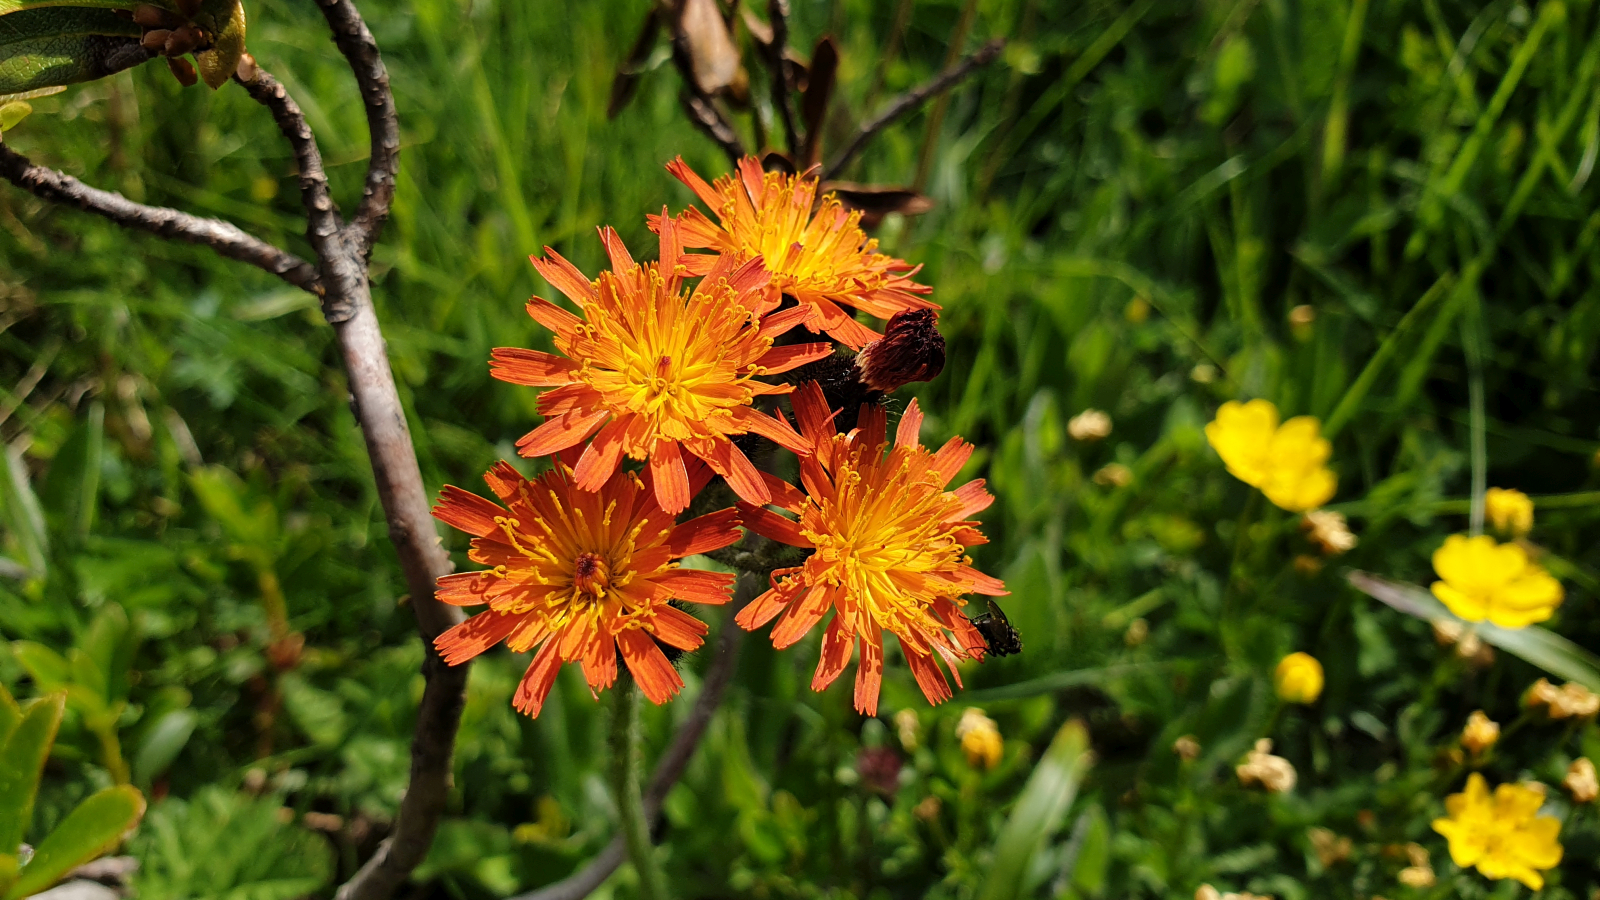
973	499
656	677
697	585
474	636
926	670
676	628
780	322
869	672
599	462
466	588
729	461
840	325
872	426
763	609
837	645
769	524
599	661
530	367
560	433
564	277
910	427
553	317
784	494
801	617
621	260
950	458
812	413
536	682
681	171
791	356
504	480
467	511
774	428
669	477
712	531
696	265
983	584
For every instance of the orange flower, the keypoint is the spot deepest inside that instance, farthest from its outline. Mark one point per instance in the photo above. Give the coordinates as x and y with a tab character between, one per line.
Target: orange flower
890	550
661	370
582	576
821	260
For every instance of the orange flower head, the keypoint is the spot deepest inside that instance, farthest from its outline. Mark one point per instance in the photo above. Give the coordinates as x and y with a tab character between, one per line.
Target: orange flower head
817	253
581	576
890	550
657	370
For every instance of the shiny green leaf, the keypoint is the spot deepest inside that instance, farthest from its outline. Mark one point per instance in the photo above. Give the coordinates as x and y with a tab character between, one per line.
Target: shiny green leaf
97	825
14	112
22	760
225	19
1545	649
162	744
62	45
8	870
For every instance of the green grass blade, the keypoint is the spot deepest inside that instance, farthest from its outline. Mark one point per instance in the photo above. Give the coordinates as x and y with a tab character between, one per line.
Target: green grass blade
22	761
1045	800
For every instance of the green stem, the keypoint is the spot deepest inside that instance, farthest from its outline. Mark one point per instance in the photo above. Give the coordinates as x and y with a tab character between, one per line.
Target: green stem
625	778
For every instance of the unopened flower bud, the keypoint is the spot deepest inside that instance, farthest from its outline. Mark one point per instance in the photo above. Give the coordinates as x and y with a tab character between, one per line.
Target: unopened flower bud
1187	748
980	739
1329	531
911	349
1089	425
1480	734
1581	781
1274	773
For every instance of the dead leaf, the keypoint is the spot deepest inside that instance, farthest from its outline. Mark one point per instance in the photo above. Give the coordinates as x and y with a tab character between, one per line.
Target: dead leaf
632	68
703	36
819	90
877	201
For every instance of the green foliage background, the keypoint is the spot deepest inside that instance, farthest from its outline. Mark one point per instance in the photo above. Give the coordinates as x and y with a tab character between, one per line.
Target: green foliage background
1128	207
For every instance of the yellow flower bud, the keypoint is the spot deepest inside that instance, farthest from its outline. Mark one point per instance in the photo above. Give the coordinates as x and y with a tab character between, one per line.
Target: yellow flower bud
1480	734
980	739
1509	511
1298	678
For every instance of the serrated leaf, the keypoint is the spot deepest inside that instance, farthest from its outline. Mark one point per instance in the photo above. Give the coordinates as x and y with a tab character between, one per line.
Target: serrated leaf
98	824
1545	649
53	46
225	19
21	762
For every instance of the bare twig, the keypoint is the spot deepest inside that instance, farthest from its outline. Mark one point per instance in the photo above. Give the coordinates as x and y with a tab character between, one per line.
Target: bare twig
778	12
353	39
705	115
676	758
909	101
223	237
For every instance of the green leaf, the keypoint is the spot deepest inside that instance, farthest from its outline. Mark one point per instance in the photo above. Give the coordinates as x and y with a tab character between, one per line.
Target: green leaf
22	760
20	506
49	669
98	824
8	870
1545	649
62	45
225	19
11	6
163	744
14	112
1045	800
10	715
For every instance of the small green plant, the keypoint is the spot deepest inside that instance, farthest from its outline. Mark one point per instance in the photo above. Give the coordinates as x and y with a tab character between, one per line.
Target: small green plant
95	826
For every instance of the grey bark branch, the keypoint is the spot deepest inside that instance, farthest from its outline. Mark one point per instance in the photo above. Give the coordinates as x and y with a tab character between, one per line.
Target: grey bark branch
355	41
223	237
677	755
909	101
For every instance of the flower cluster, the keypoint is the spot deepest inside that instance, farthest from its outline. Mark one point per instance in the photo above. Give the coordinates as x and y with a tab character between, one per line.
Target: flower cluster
670	363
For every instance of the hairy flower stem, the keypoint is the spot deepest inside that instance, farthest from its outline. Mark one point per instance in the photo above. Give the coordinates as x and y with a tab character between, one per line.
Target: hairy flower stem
626	760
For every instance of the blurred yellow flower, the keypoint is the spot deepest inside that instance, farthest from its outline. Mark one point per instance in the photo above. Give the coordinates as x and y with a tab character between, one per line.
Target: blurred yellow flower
1509	511
1481	732
1285	461
1503	835
1498	582
980	739
1582	781
1298	678
1329	530
1274	773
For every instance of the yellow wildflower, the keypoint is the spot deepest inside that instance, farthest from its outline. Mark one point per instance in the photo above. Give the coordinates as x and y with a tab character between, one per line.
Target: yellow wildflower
1503	835
1483	579
1481	732
1298	678
1285	461
1570	701
980	739
1509	511
1581	780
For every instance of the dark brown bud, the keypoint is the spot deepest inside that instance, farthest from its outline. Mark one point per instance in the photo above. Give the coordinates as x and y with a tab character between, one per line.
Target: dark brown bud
155	39
911	349
183	71
182	41
155	17
879	769
189	8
